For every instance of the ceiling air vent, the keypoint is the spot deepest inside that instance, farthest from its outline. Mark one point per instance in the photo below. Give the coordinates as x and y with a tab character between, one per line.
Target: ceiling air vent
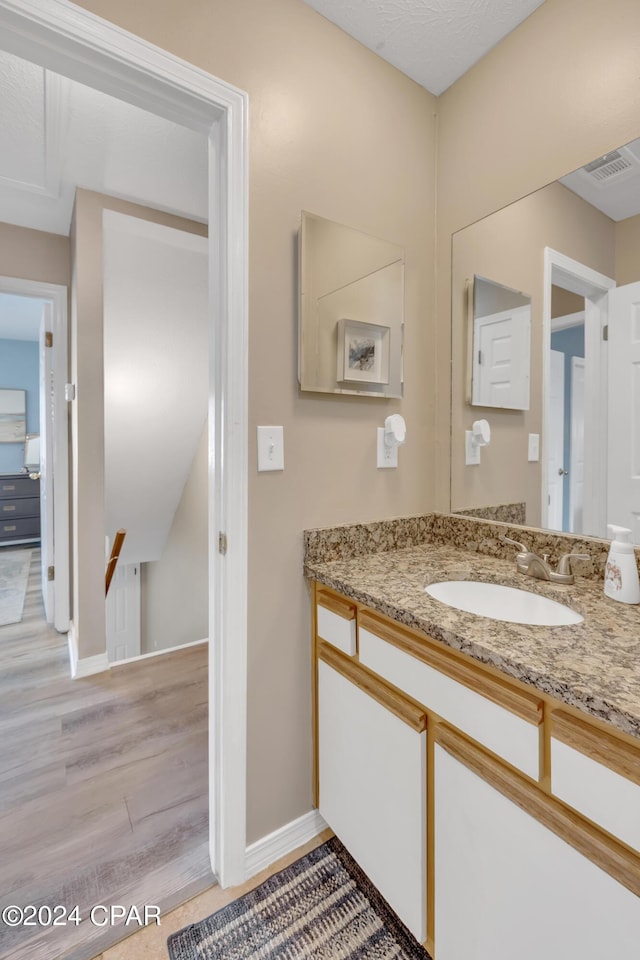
610	166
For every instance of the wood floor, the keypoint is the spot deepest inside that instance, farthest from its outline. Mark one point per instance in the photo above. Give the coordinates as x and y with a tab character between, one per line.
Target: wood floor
103	785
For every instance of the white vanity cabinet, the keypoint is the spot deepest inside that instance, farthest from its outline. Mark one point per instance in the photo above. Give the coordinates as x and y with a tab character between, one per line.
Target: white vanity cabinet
507	886
372	783
597	775
513	817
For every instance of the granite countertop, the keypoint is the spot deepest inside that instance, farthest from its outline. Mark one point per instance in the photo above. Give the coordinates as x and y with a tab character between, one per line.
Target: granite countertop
593	665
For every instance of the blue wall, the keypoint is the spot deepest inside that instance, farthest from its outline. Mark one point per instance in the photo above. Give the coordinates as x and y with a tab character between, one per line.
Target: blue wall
571	343
19	370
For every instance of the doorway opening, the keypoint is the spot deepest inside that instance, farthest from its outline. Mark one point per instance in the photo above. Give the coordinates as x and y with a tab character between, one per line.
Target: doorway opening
574	396
78	45
33	320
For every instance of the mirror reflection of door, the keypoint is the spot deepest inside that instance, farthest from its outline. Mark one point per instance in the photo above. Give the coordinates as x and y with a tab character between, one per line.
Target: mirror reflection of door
624	408
565	466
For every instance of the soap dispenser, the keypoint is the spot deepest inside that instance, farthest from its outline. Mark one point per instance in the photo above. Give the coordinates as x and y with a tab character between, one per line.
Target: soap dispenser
621	573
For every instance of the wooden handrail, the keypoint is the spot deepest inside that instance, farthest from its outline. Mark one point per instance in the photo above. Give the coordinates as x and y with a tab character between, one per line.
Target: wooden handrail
113	559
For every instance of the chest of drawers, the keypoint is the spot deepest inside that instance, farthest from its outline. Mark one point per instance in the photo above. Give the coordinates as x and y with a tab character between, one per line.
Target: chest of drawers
19	509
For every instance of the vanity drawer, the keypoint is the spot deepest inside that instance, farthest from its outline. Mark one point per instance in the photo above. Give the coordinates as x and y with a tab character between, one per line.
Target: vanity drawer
598	775
20	528
336	621
25	507
502	719
14	487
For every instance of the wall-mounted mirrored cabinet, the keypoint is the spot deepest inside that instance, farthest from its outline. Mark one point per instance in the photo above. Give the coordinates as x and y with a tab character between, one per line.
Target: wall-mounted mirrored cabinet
13	417
499	329
350	328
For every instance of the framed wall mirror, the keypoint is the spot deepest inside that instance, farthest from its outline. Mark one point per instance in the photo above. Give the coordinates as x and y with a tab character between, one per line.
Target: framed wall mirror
13	416
575	246
351	311
499	328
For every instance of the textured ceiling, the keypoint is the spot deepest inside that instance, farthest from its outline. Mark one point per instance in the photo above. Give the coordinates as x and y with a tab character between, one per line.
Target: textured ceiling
433	41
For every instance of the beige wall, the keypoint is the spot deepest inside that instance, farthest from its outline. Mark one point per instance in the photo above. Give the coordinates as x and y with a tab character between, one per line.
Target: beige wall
537	114
174	589
508	247
628	250
336	131
87	413
34	255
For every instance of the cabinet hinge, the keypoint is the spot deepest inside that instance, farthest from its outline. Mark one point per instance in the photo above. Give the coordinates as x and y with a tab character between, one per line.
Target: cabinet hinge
51	573
222	543
480	357
605	332
48	338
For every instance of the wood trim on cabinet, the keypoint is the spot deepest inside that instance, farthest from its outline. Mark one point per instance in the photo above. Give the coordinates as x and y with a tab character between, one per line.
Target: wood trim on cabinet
527	706
369	683
619	861
314	695
335	603
600	745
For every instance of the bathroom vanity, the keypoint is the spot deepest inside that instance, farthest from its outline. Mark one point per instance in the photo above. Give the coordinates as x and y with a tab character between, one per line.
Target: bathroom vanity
484	774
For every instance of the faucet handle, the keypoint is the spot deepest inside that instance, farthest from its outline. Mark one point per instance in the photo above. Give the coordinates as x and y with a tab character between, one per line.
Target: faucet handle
515	543
564	563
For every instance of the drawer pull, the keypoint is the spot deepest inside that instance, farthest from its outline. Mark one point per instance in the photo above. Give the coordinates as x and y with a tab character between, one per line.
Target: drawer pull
9	528
9	509
8	486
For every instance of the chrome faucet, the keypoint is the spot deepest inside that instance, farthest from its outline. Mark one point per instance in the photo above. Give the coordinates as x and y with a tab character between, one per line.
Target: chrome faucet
531	565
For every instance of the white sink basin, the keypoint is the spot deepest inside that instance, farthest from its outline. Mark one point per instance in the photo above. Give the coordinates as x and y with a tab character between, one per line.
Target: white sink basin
503	603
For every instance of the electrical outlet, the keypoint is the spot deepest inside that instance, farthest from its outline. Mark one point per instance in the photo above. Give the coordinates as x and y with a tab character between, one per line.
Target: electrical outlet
387	456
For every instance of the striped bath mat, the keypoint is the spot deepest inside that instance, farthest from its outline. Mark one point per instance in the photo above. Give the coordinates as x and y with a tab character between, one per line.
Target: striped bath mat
322	906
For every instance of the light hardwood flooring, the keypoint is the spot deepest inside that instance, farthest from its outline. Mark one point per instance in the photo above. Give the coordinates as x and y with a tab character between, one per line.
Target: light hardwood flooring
150	942
103	785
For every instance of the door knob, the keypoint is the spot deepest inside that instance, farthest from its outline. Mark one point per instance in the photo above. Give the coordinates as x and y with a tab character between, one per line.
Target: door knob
562	473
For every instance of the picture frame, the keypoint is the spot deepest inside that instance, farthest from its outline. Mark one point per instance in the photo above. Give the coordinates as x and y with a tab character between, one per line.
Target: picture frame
12	416
363	352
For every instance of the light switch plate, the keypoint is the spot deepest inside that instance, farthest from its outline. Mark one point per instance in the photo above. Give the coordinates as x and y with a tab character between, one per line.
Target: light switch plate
387	456
534	447
270	448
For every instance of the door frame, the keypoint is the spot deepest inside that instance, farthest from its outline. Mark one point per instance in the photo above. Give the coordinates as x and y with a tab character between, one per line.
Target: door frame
78	44
562	271
576	364
57	452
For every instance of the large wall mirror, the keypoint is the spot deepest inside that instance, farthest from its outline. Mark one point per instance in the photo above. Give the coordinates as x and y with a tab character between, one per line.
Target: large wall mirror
571	461
351	310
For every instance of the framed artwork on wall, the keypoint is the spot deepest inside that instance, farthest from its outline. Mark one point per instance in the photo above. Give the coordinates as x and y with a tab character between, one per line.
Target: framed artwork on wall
363	352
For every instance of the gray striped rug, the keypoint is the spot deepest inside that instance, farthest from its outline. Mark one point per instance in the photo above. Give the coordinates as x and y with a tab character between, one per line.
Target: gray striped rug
320	908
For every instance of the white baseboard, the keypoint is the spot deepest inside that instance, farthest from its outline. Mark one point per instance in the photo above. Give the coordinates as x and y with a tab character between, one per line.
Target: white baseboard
84	666
266	851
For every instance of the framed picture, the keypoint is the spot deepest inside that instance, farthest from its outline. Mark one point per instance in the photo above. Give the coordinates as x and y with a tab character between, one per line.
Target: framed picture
363	352
12	416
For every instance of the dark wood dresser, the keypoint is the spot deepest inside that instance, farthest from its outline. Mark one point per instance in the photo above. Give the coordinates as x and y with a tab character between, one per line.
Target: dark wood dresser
19	508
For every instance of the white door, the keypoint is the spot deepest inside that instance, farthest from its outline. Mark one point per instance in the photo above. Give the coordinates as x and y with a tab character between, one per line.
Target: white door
576	466
46	467
501	359
623	500
123	613
555	459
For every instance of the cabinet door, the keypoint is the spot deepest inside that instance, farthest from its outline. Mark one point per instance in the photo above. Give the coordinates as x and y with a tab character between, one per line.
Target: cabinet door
372	772
522	891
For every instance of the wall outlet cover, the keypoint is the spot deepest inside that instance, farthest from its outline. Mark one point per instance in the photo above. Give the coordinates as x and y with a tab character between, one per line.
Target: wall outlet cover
471	450
387	456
